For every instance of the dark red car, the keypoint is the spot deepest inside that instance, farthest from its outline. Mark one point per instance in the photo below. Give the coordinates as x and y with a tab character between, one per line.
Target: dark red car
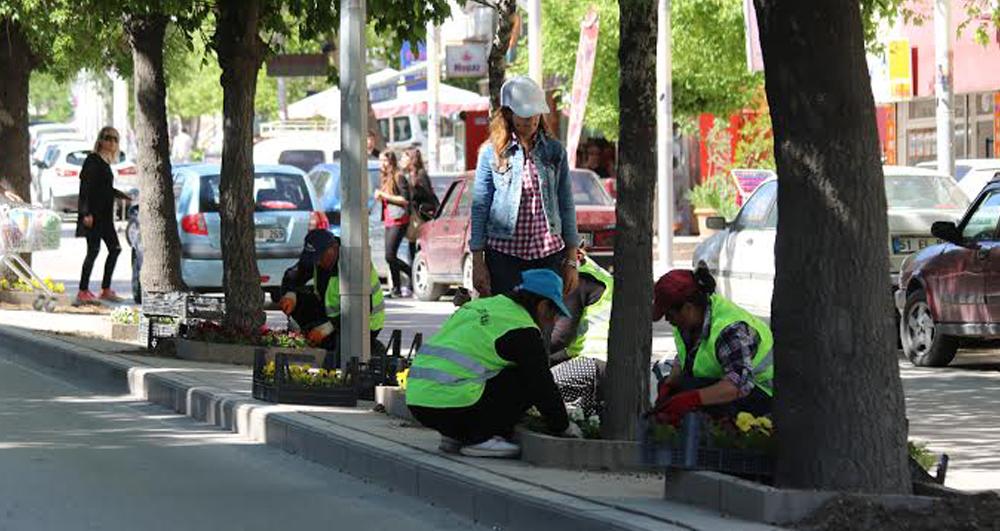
443	258
950	292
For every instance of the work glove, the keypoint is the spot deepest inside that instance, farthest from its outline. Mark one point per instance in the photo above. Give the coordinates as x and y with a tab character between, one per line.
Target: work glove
678	406
662	392
287	304
316	336
573	431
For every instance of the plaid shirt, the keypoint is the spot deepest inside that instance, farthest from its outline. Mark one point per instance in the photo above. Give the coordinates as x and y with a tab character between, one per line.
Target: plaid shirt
531	239
735	350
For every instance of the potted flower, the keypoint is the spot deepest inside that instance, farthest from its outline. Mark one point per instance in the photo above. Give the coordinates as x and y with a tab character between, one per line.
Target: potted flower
743	445
125	324
714	197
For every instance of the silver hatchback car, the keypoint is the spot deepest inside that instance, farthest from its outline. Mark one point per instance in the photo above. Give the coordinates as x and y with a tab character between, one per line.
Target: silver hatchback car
284	213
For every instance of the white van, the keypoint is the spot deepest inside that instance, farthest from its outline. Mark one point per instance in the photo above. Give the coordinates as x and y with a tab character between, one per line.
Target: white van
304	150
404	132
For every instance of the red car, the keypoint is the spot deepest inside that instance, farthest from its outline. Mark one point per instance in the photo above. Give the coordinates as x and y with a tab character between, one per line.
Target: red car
443	258
950	292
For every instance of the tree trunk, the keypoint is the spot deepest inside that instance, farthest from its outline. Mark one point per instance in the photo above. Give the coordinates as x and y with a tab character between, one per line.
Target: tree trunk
161	266
240	50
497	61
630	339
16	64
839	413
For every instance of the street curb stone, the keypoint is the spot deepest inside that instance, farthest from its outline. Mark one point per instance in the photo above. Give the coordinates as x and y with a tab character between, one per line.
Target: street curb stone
482	496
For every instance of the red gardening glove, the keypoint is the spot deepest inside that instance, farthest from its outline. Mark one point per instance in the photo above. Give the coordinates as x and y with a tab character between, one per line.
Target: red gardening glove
678	406
662	393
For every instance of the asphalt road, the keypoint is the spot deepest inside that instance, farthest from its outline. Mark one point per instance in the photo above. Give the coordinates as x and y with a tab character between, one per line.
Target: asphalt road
73	460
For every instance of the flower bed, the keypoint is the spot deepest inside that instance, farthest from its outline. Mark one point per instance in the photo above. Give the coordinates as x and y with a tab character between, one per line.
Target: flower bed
210	342
281	380
741	446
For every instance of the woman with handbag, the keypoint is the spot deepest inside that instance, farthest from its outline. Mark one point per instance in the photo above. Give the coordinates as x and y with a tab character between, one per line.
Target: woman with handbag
424	203
394	194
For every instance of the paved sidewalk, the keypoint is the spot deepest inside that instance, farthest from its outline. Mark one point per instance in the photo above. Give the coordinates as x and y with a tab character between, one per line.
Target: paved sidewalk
369	445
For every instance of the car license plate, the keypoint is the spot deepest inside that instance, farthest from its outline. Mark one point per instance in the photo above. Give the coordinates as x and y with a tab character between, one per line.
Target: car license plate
269	234
907	245
586	239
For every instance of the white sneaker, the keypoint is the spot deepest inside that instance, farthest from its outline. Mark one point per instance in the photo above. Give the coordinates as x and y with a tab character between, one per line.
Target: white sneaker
449	445
495	447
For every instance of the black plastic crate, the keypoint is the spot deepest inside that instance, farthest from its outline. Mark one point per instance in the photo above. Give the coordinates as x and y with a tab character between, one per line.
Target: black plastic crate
691	452
282	390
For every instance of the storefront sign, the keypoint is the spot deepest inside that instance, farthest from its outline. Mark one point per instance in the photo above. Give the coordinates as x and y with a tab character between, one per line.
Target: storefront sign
584	73
298	65
748	180
886	119
407	57
755	58
900	69
465	60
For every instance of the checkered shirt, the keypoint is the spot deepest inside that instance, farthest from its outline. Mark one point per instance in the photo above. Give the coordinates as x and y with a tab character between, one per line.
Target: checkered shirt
735	350
532	238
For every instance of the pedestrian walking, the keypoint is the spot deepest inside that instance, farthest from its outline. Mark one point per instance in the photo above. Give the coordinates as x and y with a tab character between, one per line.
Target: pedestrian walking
424	202
474	379
523	215
95	214
723	364
394	194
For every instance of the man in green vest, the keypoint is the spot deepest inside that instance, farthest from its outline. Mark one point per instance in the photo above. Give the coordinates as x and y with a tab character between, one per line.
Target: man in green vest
475	378
579	344
724	364
311	295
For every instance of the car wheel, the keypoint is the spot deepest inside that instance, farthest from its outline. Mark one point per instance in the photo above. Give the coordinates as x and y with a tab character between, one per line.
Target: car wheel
923	346
136	286
467	273
423	285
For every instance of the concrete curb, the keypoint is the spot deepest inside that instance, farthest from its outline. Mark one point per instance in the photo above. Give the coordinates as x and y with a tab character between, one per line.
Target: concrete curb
488	498
560	452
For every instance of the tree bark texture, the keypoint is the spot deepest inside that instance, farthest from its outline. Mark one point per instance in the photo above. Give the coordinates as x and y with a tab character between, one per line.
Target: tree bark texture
630	339
839	407
240	49
161	266
16	63
497	60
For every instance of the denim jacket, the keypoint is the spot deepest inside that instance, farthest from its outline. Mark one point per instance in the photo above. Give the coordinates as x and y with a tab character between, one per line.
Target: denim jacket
496	195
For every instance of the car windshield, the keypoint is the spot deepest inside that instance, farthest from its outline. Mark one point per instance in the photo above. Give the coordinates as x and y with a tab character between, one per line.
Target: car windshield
273	191
923	191
961	170
587	189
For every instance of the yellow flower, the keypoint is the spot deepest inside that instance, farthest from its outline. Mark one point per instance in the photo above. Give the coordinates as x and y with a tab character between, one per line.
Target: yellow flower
764	422
744	421
401	378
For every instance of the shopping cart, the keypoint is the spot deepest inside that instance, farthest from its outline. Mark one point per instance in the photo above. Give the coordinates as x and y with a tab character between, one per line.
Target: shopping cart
26	229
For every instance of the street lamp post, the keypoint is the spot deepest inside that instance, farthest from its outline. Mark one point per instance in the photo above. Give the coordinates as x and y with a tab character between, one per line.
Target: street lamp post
433	88
535	41
355	256
943	87
664	138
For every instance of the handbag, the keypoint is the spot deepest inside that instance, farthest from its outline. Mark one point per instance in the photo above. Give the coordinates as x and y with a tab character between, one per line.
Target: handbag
417	218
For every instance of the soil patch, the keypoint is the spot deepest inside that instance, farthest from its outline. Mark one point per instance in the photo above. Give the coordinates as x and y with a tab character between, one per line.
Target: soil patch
978	512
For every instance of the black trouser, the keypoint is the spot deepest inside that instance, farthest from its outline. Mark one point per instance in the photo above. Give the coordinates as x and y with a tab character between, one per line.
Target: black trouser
501	407
102	230
756	403
393	239
309	313
505	270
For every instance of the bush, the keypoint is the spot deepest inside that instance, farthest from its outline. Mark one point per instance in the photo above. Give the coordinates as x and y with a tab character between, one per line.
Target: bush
715	193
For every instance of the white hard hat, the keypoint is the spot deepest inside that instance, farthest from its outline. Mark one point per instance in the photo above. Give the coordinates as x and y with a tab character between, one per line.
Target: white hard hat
523	96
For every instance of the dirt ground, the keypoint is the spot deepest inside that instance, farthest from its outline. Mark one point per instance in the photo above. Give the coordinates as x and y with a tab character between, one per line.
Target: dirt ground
979	512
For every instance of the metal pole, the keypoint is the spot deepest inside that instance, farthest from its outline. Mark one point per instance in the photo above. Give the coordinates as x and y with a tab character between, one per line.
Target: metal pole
535	41
664	139
943	87
433	87
282	99
355	257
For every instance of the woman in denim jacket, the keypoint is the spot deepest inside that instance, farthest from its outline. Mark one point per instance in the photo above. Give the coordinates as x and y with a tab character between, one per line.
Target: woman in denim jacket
523	215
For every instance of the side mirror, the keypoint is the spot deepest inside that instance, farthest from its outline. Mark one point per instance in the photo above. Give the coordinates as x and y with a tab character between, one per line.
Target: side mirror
947	231
716	223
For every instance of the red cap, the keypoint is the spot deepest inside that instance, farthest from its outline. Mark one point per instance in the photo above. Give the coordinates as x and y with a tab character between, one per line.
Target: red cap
673	289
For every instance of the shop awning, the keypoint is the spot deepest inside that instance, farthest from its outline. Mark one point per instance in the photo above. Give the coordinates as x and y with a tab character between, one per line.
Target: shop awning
450	100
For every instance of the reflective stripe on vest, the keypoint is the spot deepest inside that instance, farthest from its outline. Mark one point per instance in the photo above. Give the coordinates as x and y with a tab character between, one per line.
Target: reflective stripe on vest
592	335
706	362
331	299
452	368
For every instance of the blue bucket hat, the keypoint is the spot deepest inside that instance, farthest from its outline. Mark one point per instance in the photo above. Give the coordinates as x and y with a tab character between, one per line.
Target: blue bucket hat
546	283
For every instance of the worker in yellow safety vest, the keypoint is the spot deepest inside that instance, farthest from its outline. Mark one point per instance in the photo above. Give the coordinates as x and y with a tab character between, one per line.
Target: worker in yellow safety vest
724	361
311	295
477	376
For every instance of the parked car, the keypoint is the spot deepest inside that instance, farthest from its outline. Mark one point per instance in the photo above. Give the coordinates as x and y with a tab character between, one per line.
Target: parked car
325	179
948	292
38	133
285	211
304	150
972	174
59	174
741	255
443	258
